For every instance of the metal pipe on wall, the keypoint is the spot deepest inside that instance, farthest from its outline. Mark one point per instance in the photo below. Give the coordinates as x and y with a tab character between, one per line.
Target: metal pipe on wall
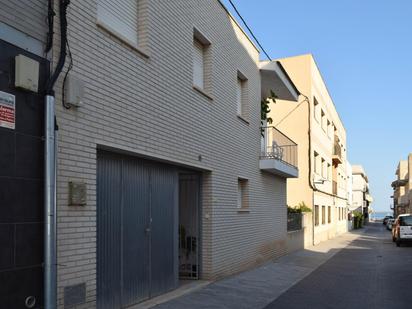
50	271
50	165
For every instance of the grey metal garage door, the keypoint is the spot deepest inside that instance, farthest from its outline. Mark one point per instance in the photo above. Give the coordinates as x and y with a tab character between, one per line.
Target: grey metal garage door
137	209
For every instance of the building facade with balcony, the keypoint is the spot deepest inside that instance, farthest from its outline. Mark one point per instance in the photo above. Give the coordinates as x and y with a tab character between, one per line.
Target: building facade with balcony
349	192
362	198
402	186
161	174
316	127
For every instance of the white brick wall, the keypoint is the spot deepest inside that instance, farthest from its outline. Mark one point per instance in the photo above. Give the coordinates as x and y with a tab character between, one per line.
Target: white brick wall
147	105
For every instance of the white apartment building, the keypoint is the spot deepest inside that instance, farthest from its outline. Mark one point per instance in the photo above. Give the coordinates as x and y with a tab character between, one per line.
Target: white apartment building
349	191
349	185
361	196
160	170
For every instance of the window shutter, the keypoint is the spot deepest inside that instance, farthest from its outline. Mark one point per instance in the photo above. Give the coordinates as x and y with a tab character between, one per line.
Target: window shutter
198	64
120	16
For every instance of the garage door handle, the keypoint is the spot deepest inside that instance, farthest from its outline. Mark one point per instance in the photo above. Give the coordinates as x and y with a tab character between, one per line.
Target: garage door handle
147	230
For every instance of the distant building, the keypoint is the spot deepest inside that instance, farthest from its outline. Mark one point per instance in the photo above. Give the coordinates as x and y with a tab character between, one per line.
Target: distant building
402	186
349	191
360	188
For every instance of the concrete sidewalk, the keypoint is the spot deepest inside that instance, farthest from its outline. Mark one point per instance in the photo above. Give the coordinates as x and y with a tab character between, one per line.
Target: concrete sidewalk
255	288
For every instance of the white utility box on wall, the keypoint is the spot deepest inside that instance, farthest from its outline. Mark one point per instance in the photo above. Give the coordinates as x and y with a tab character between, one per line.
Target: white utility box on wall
74	91
27	73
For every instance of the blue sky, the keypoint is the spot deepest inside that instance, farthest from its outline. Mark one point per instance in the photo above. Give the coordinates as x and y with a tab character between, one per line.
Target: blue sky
364	51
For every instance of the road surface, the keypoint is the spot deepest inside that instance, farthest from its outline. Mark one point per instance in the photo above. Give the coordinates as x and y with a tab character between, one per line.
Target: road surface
370	273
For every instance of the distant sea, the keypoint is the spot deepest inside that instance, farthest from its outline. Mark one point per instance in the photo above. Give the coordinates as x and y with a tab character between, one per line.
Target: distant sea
379	215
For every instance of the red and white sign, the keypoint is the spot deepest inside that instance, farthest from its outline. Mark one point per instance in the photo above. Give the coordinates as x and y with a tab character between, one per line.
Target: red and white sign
7	110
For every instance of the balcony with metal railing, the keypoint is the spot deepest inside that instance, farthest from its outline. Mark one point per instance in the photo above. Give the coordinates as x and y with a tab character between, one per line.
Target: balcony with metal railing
337	153
279	154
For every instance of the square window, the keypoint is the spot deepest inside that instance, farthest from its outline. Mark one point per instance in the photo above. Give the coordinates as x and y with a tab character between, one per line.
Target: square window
316	162
329	168
239	98
198	64
120	17
323	166
323	120
242	96
242	194
316	109
329	214
329	129
323	215
201	62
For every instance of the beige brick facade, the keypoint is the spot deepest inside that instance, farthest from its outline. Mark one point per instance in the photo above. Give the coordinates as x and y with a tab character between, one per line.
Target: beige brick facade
402	186
316	127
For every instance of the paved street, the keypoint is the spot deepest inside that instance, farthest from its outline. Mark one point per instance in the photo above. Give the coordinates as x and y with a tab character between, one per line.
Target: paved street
362	269
370	273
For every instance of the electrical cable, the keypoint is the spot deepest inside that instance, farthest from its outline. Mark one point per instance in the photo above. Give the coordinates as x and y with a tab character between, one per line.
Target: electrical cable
67	106
50	22
63	51
250	30
288	114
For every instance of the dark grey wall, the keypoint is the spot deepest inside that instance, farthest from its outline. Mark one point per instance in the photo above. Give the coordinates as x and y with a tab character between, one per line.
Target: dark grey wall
28	16
21	189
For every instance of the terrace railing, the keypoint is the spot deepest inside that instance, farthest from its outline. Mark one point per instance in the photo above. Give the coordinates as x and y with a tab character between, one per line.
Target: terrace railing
277	146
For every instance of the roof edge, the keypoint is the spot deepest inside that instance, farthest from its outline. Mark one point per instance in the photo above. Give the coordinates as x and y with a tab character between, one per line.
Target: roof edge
237	23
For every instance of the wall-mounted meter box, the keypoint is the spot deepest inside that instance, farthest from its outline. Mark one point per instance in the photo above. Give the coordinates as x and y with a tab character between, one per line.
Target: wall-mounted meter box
74	91
77	194
27	73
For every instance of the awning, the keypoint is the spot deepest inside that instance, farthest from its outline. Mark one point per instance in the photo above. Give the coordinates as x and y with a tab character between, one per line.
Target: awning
275	78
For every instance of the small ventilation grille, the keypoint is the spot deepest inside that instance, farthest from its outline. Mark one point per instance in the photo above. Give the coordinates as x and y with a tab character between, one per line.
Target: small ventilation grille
74	295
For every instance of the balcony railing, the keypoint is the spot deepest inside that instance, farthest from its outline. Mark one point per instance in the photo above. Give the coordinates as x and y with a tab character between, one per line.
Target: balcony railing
277	146
399	183
337	153
337	150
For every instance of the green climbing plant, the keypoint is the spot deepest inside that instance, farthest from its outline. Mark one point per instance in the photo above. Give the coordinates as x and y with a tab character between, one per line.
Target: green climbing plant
300	208
265	110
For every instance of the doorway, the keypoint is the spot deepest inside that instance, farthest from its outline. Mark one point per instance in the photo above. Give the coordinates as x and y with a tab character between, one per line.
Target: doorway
189	217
